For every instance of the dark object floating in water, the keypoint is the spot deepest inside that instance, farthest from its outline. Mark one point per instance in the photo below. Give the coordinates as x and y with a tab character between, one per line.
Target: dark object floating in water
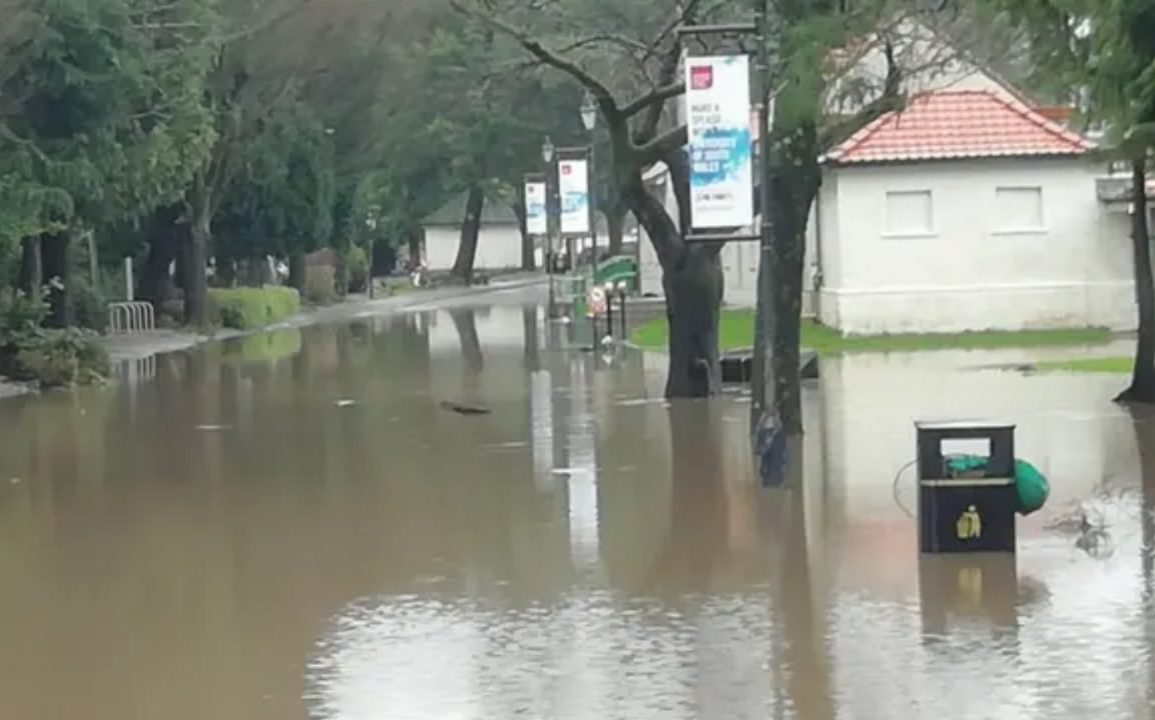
738	365
464	409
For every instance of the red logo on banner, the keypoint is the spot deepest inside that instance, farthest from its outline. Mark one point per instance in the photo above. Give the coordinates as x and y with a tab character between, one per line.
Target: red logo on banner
701	77
566	168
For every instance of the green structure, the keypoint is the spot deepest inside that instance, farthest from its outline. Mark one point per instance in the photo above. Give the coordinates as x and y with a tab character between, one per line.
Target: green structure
616	270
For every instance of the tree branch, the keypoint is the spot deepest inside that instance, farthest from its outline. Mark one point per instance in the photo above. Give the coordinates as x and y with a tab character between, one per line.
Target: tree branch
666	78
890	100
658	95
658	148
601	94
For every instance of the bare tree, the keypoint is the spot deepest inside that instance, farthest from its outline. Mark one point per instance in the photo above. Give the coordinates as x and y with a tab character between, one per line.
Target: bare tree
692	274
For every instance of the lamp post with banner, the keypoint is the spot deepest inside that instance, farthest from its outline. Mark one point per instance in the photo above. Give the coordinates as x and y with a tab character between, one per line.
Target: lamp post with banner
547	156
573	188
721	140
534	195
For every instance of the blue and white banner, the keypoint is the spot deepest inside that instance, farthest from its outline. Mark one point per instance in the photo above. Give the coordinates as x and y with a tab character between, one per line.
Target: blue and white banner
536	220
574	187
718	124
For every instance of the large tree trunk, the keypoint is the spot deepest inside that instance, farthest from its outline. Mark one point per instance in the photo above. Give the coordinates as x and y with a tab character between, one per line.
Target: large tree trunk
414	249
226	269
795	185
31	279
615	227
1142	389
691	279
199	234
527	259
693	290
470	229
57	254
163	243
297	270
180	257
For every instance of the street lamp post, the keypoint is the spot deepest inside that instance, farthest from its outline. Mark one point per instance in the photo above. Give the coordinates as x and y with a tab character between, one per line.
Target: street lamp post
609	288
371	224
623	287
589	113
547	153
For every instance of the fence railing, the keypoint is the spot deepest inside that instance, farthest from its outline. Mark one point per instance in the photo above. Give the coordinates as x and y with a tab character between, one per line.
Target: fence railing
135	370
130	317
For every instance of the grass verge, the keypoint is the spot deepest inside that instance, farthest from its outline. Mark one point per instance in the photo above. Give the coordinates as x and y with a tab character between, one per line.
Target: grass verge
737	331
1111	365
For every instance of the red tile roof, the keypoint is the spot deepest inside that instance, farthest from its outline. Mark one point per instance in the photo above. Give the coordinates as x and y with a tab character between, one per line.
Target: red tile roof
949	124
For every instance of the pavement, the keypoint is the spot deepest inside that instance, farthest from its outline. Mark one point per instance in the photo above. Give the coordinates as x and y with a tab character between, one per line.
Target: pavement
143	345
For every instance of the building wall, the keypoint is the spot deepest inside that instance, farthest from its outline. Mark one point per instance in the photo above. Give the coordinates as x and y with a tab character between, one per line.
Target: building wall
970	268
498	247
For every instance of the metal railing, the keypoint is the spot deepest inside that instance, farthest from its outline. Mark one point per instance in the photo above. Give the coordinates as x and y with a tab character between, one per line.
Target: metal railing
135	370
130	317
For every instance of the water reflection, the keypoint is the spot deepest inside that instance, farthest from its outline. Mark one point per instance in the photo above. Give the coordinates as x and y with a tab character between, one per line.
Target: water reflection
232	539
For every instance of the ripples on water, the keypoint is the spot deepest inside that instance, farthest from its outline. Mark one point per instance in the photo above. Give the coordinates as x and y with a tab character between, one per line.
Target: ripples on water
593	656
220	538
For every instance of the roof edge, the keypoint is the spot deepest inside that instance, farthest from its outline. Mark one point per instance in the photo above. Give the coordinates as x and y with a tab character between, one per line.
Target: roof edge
955	158
1080	143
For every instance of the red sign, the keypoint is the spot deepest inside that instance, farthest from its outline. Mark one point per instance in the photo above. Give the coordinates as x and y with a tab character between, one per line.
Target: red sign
701	77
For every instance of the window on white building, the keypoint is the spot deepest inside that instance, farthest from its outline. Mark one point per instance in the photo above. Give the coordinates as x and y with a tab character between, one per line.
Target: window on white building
1018	209
909	213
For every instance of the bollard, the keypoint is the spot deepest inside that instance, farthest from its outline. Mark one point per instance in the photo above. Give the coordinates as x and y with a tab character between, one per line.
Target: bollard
623	315
972	511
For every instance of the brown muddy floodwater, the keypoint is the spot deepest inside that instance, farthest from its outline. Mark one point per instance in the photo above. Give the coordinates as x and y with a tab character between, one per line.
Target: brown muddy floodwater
289	526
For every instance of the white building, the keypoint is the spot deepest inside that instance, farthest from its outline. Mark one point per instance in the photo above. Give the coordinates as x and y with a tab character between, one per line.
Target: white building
498	243
969	209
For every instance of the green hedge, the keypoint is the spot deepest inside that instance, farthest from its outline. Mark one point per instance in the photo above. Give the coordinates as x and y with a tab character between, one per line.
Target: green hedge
251	308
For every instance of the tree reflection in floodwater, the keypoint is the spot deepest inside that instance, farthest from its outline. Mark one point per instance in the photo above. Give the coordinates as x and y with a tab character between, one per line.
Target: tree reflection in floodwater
225	539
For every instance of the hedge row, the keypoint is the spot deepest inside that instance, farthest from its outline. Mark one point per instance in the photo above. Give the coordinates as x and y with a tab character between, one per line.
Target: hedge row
251	308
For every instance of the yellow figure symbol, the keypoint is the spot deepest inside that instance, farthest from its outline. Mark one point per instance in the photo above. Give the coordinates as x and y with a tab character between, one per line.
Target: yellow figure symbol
969	525
970	583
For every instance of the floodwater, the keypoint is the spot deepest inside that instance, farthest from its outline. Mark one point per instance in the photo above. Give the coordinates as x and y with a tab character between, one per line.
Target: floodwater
290	526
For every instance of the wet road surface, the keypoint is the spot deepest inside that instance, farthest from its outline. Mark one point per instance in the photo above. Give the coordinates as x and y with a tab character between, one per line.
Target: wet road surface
290	526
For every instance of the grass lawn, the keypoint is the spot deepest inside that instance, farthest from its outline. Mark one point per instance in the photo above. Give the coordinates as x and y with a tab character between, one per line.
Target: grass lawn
1114	365
737	331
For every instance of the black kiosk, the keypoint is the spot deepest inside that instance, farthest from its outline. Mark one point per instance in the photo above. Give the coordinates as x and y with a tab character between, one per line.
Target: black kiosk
972	511
967	525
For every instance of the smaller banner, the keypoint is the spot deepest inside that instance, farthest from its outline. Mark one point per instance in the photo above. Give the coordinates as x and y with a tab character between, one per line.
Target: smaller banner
573	185
721	167
536	220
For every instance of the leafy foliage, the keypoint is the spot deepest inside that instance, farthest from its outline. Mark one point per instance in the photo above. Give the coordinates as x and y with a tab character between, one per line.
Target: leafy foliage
52	358
281	199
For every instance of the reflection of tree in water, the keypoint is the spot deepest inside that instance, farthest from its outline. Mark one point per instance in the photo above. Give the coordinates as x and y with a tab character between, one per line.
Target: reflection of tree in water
1143	421
701	545
465	320
529	329
696	538
800	617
